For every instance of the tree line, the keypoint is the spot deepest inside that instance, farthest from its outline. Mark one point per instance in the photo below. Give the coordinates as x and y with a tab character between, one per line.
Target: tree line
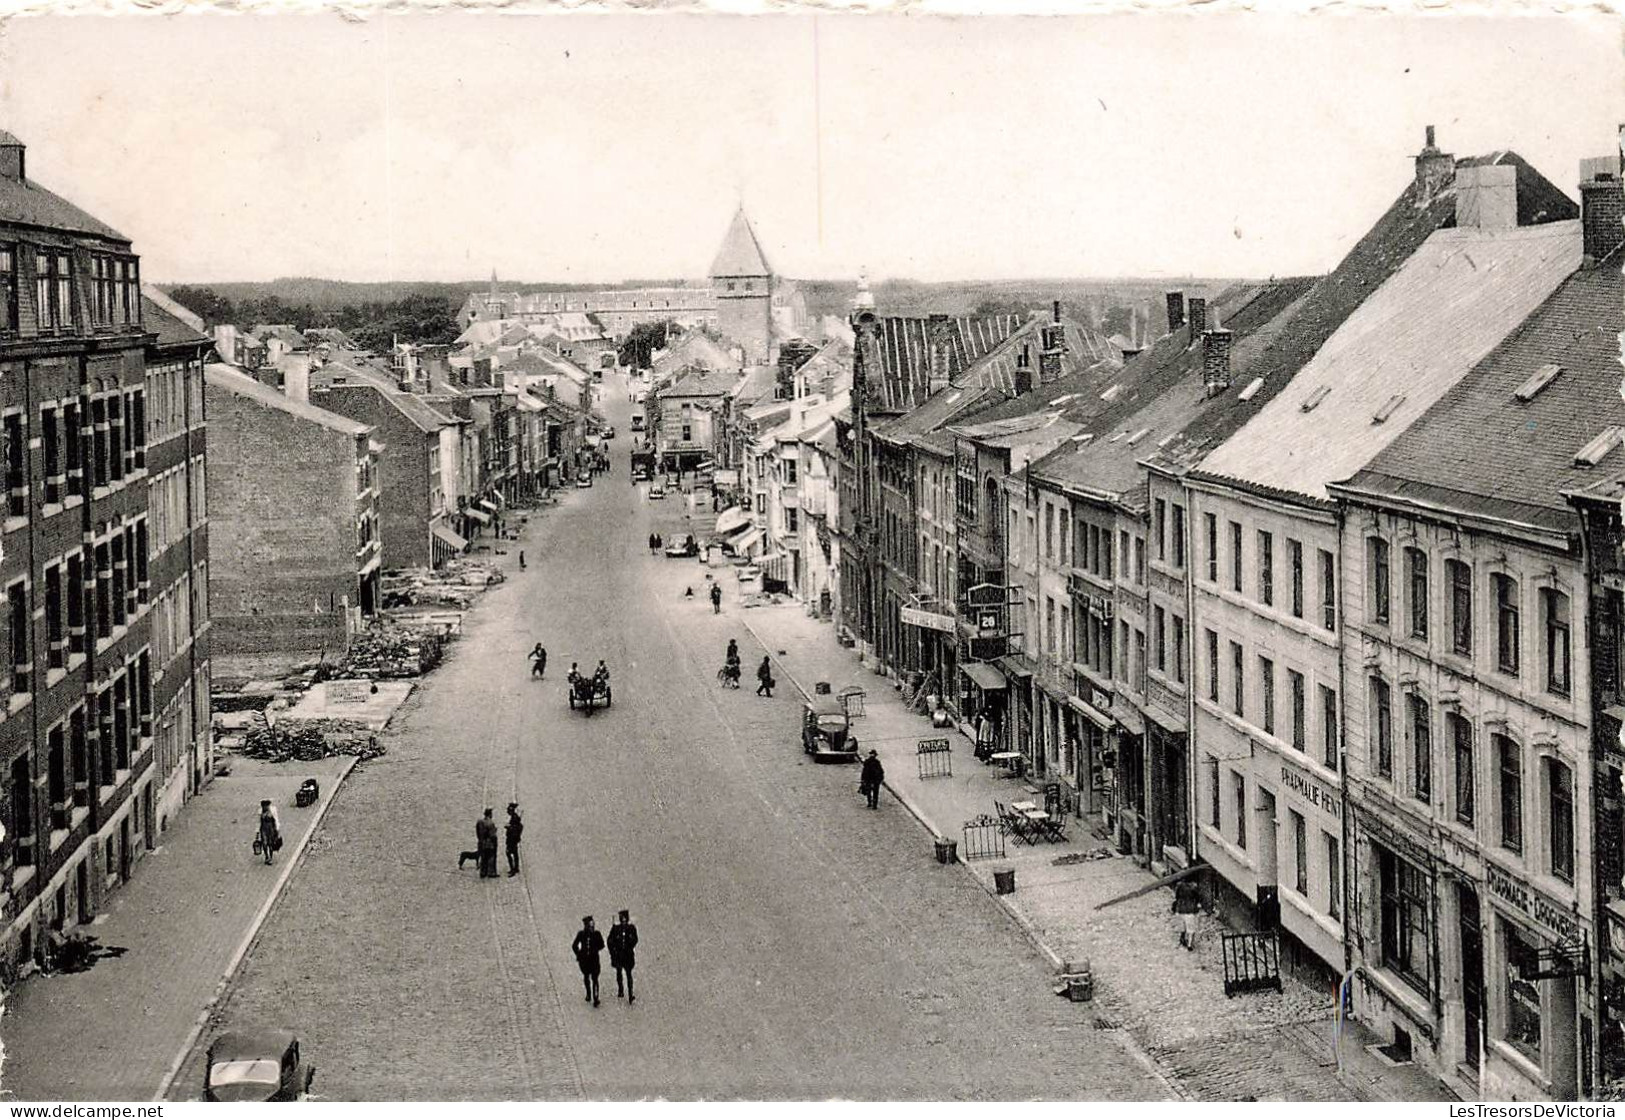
373	325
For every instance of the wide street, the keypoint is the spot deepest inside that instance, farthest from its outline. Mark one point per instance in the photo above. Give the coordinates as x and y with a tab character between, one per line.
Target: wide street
793	944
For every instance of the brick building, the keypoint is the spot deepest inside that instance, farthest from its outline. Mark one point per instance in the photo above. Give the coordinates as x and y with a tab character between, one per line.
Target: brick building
77	760
293	496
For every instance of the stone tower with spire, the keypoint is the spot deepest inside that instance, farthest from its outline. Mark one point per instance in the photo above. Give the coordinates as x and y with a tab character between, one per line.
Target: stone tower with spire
742	283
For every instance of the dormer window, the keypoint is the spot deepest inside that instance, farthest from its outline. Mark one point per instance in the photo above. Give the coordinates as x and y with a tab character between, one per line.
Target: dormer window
8	287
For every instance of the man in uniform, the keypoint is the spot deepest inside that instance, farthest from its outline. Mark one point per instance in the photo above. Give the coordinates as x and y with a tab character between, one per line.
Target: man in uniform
511	832
586	946
623	942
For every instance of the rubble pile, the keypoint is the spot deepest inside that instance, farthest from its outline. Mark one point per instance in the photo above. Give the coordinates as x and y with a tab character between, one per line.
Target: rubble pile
390	653
306	740
458	584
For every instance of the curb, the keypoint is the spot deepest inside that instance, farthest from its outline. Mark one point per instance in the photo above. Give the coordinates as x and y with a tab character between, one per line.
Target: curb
248	939
1131	1046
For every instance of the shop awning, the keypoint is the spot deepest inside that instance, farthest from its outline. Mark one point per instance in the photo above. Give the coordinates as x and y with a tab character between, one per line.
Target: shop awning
447	537
750	540
1014	668
984	676
478	515
732	520
488	505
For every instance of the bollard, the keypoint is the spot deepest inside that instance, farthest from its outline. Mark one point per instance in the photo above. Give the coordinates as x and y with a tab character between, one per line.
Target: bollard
947	850
821	688
1004	880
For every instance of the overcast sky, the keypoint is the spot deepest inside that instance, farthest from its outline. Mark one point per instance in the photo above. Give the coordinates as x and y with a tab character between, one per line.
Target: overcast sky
588	148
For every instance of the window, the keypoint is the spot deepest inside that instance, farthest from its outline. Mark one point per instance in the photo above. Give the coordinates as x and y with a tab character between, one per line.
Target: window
1266	568
1239	676
1522	996
1179	648
1381	592
56	643
1461	750
1506	623
76	603
1421	748
1416	575
1295	680
1328	726
1211	764
790	521
104	586
1065	529
49	306
1328	590
1049	625
1300	853
1460	578
1049	531
1139	658
22	810
18	620
70	436
1160	526
1235	556
52	455
1382	720
16	465
1178	532
1122	651
1509	771
1212	524
1554	609
1159	634
1266	693
1560	800
1240	781
1334	875
1124	559
1404	918
1294	559
1139	561
1212	665
8	288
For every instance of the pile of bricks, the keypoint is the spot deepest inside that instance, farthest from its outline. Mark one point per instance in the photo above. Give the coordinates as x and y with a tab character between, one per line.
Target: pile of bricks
393	653
306	740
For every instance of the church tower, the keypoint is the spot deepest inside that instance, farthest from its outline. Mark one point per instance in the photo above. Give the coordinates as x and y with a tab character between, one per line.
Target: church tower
742	283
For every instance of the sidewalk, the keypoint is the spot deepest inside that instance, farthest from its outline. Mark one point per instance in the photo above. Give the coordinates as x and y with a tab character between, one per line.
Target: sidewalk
1169	1001
184	918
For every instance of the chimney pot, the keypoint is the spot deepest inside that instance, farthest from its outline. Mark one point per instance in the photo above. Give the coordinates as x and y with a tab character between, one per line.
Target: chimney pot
1197	307
1602	214
1176	311
1056	311
1216	360
1429	143
12	152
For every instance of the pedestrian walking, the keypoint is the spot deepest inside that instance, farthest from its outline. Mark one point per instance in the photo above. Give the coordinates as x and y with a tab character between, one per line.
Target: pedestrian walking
869	779
538	661
521	559
764	678
1188	905
270	830
586	946
511	832
623	942
716	598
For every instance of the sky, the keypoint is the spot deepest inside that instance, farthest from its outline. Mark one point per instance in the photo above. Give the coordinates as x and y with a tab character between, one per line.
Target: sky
593	148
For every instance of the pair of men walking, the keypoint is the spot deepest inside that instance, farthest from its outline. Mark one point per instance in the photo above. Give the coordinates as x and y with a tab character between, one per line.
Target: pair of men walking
485	842
622	943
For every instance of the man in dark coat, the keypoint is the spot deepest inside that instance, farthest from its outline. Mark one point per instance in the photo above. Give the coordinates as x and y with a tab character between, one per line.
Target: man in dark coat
1188	905
869	780
716	598
587	945
511	832
485	835
623	942
764	678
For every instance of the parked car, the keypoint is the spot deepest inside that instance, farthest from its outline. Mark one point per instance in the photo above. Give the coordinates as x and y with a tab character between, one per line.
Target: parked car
658	490
609	431
256	1065
826	731
583	481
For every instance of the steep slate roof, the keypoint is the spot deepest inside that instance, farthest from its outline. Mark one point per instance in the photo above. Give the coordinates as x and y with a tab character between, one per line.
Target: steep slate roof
1460	293
170	329
227	377
26	203
1085	349
898	374
741	254
1403	227
952	403
692	348
701	383
1482	451
1161	392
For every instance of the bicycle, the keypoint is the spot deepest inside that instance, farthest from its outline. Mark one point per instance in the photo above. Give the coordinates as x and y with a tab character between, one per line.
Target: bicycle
728	676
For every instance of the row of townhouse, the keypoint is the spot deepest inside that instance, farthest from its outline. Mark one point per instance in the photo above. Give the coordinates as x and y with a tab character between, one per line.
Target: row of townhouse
103	558
1321	589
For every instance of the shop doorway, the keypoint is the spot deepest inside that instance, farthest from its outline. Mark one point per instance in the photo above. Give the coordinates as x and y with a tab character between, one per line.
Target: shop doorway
1472	977
1269	901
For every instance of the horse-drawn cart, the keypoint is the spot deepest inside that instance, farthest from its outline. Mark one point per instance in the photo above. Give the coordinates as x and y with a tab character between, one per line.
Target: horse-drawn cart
588	693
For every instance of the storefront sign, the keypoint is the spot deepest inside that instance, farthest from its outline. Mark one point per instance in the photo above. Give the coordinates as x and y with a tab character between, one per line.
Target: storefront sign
913	616
1321	797
1538	905
989	622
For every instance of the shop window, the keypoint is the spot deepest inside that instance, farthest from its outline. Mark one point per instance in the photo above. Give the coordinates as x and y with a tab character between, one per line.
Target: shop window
1404	918
1509	778
1522	996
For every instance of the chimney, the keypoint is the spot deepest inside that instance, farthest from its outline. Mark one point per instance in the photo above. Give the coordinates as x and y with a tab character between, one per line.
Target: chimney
1216	360
1053	337
1434	170
1602	208
296	379
225	342
1487	197
1176	311
1023	376
1198	313
12	151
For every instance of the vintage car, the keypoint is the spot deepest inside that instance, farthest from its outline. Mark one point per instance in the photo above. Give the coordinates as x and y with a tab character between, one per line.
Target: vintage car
583	481
658	490
826	731
609	431
687	548
256	1065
